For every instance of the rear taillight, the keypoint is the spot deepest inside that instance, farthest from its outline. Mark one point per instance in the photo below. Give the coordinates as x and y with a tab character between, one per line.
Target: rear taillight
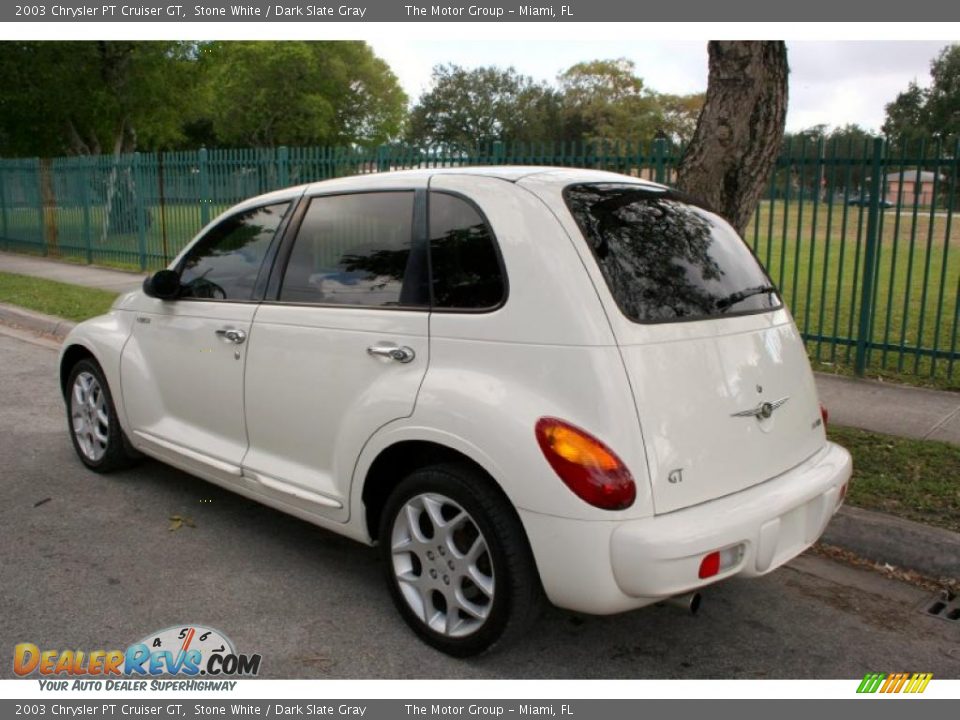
586	466
720	561
824	415
710	565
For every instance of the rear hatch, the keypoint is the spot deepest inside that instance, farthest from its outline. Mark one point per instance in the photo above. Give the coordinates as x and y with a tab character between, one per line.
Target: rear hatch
723	388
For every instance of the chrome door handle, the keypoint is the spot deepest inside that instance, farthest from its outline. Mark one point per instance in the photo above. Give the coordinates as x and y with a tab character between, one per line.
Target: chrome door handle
393	352
232	335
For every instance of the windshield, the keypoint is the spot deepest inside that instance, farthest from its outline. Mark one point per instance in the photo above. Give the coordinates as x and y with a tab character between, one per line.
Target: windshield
665	259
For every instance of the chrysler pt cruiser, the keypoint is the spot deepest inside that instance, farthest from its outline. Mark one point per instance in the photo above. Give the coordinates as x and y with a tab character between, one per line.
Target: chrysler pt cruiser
518	382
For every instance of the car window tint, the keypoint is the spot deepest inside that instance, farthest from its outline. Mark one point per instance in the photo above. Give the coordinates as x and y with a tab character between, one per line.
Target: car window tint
664	259
465	267
225	262
352	250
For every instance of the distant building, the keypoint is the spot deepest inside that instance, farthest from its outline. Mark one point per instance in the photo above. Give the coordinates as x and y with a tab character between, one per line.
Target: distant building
914	184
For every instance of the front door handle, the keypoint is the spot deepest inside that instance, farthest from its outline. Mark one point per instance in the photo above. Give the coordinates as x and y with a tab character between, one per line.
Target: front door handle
232	335
401	354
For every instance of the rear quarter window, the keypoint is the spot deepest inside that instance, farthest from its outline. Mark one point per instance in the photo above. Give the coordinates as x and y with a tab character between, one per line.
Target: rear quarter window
664	259
465	263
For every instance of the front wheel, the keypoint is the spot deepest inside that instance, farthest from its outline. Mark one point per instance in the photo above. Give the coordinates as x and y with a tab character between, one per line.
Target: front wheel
458	564
94	429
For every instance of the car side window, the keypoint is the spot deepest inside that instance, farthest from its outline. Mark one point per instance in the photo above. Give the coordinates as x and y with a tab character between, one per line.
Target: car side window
464	261
355	249
225	262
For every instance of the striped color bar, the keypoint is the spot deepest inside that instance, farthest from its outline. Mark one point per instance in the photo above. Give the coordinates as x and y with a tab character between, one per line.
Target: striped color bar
894	682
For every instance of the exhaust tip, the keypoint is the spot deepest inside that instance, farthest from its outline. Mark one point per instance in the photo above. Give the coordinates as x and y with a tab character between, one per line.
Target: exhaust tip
695	600
689	602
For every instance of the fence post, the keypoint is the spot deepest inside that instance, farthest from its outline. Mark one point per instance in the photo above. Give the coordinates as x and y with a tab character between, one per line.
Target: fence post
204	187
86	180
869	260
140	209
283	166
383	158
3	206
659	150
41	208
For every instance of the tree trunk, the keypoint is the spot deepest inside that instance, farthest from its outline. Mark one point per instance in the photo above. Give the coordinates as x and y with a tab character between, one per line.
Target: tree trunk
738	135
48	196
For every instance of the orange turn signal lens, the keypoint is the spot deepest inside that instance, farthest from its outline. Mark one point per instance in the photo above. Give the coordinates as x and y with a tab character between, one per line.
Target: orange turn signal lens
587	466
579	448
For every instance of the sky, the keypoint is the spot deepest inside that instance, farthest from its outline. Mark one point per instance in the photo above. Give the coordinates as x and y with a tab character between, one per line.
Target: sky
834	83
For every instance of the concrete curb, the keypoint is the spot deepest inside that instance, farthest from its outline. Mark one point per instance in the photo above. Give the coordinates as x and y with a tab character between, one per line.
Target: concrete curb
38	322
907	545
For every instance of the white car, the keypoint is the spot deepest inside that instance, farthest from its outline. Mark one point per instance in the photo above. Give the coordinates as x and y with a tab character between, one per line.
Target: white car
518	381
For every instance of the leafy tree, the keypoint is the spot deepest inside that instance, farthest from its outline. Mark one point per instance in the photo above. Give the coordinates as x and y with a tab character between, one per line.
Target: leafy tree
299	93
906	116
680	115
847	142
469	108
607	100
593	101
87	98
918	113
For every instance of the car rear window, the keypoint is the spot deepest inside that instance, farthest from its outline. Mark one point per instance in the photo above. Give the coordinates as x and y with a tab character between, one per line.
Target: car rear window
665	259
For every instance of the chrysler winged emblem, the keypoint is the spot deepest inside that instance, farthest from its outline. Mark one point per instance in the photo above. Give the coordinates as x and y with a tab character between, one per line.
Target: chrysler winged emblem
762	411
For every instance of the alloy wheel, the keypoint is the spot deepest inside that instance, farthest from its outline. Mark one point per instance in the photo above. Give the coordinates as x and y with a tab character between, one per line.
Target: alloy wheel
442	565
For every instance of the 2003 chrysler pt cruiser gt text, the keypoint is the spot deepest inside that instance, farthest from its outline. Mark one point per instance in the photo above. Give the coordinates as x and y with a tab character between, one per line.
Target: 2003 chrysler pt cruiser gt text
517	381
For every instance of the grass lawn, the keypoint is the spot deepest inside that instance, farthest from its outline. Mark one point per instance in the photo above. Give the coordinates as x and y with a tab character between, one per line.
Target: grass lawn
53	298
913	479
815	255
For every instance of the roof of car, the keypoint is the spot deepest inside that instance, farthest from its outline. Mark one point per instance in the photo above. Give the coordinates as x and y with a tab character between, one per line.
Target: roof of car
508	173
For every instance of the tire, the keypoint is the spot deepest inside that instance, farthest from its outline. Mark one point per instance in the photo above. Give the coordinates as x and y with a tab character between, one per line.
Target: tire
468	581
92	421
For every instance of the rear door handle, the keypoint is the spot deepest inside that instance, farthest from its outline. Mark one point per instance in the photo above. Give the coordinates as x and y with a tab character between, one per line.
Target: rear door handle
401	354
232	335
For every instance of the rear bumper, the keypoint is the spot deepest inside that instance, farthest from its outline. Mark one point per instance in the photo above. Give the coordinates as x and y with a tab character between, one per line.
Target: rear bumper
600	567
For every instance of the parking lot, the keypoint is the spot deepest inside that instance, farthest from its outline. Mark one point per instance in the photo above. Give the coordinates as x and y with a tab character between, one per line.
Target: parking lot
90	562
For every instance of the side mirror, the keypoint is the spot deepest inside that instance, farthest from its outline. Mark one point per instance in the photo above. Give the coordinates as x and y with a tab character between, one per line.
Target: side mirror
163	284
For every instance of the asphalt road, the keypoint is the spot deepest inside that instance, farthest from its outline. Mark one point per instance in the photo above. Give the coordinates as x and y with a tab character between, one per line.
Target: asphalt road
96	567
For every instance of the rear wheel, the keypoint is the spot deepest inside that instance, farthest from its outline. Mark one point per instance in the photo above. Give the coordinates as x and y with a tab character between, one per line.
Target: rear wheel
94	429
457	561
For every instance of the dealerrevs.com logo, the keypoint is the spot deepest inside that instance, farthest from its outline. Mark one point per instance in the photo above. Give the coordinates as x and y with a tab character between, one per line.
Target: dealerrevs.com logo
185	651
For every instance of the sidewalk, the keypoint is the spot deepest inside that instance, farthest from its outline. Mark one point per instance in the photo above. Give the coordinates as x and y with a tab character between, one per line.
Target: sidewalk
882	407
118	281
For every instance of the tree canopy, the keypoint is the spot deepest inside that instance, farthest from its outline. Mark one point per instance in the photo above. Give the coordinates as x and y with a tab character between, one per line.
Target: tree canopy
87	98
465	108
592	101
91	97
929	112
300	93
607	100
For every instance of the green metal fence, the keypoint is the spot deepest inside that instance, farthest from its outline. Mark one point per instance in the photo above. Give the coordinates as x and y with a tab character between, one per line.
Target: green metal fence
859	237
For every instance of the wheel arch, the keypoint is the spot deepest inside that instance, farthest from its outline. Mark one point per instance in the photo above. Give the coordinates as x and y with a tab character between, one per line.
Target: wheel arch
394	460
70	356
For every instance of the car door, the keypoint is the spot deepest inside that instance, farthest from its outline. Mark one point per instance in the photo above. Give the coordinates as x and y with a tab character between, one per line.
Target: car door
182	368
341	349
